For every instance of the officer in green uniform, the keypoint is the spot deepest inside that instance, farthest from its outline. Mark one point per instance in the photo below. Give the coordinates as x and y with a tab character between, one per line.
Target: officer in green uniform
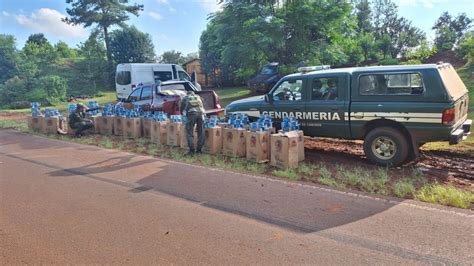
193	109
78	121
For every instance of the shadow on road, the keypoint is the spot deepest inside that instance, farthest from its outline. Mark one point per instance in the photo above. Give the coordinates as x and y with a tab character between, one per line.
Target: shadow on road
301	208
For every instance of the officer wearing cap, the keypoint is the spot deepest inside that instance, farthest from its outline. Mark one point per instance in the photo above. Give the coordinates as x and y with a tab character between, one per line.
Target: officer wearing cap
78	121
193	108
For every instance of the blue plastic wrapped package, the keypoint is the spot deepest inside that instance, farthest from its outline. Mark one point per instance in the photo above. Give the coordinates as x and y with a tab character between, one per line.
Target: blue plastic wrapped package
35	109
93	105
290	124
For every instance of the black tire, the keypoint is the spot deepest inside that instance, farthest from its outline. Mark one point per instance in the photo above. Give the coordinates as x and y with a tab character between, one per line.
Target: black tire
386	146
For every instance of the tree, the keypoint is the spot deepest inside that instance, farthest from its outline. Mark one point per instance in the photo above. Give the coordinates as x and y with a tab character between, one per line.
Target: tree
64	51
104	14
38	39
465	48
8	57
449	30
172	57
129	45
389	26
364	15
367	44
92	71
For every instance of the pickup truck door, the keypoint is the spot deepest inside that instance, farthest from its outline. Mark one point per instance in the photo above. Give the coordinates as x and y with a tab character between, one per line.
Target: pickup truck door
286	99
145	98
327	105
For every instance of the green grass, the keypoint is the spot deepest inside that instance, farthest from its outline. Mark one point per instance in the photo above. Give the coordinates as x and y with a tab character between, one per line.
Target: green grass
445	195
287	173
106	97
18	125
404	188
227	95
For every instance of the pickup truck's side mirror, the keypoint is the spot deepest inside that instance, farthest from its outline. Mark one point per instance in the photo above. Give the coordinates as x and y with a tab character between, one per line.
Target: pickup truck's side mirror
268	98
193	78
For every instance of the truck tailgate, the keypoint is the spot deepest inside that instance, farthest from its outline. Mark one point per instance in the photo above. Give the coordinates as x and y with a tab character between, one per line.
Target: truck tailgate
209	100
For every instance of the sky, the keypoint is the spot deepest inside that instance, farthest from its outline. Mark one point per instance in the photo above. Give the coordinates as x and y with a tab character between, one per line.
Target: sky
174	24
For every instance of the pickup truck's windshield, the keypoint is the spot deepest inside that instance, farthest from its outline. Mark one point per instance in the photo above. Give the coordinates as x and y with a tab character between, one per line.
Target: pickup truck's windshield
267	70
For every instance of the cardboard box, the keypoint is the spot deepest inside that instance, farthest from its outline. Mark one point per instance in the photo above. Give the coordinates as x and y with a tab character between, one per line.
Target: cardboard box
96	120
258	146
51	125
233	142
118	125
35	123
159	131
284	150
132	127
173	137
146	127
212	140
106	125
300	145
184	137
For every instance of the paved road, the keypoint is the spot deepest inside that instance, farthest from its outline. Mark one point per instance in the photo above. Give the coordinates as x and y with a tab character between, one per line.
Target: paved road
70	203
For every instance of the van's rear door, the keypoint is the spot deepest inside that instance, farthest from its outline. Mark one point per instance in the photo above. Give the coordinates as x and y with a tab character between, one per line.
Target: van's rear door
456	90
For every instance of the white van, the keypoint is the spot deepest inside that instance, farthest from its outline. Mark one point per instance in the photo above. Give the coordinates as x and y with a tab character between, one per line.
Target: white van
128	76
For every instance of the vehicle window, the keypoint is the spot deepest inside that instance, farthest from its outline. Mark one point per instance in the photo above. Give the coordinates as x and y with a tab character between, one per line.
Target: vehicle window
146	93
268	70
391	84
326	88
135	95
289	90
123	77
173	87
183	76
162	75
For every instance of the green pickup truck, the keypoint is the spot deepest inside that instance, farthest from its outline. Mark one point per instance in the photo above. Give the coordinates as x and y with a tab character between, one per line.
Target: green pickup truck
394	109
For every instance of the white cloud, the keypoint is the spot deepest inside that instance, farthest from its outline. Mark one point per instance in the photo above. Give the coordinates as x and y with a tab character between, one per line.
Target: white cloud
425	3
155	15
165	2
210	5
47	20
5	13
172	9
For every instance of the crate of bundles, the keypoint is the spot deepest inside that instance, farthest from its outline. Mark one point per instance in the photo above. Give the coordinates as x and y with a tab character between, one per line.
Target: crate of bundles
132	126
212	136
159	128
173	137
146	119
106	120
53	122
35	120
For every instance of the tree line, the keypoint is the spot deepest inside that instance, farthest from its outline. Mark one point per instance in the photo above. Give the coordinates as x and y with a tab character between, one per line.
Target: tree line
248	34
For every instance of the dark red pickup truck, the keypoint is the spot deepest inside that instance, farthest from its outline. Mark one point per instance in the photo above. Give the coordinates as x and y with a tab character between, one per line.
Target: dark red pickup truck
166	97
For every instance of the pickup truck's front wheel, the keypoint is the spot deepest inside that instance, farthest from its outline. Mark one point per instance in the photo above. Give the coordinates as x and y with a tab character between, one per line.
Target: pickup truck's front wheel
386	146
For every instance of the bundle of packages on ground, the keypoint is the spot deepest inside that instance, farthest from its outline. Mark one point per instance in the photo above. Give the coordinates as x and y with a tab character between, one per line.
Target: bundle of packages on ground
159	129
49	121
35	121
235	136
284	145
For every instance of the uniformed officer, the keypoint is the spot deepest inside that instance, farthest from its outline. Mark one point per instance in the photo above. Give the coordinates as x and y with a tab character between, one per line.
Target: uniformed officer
78	121
193	108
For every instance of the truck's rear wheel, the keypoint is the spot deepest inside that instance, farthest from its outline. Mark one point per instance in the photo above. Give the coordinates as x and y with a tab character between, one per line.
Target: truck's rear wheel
386	146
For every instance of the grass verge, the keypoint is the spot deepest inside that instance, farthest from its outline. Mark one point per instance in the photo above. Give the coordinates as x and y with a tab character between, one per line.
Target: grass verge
105	97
